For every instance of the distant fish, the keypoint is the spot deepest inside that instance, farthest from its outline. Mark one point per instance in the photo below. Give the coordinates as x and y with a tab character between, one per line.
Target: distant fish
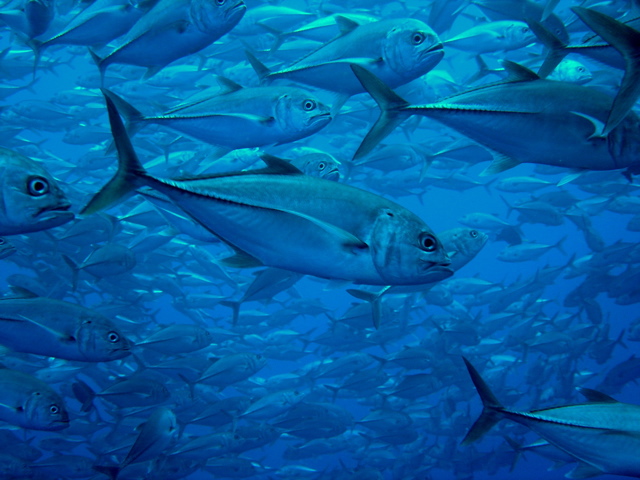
6	249
281	218
603	435
31	198
497	36
30	403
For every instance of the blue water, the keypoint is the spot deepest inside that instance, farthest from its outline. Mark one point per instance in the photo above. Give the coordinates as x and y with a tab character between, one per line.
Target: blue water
440	418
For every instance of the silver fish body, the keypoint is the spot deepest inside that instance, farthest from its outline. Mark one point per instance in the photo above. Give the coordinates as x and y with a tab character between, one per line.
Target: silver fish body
284	219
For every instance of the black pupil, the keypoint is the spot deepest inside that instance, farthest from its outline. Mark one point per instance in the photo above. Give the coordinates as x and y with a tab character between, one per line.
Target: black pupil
321	166
308	105
38	186
417	38
474	234
428	243
54	409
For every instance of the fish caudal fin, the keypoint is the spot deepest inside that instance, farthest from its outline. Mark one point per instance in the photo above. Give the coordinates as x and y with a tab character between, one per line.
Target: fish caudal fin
391	106
260	68
557	48
130	170
627	41
490	413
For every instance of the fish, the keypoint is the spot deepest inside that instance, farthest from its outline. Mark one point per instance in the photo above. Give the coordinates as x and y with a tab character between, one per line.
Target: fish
182	27
260	212
239	118
53	328
493	36
519	119
397	50
603	435
31	199
30	403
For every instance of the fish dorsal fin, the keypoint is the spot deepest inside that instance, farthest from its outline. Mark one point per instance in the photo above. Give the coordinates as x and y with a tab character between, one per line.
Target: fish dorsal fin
345	25
228	85
280	166
596	396
518	73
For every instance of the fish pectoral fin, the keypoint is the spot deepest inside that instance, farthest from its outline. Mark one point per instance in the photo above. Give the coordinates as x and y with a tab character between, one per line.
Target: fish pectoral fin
60	335
584	470
576	173
518	73
347	239
598	126
499	164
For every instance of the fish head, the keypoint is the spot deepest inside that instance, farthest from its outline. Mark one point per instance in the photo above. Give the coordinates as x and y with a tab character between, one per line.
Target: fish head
462	244
405	251
518	33
215	16
300	114
30	199
99	341
322	165
45	410
412	49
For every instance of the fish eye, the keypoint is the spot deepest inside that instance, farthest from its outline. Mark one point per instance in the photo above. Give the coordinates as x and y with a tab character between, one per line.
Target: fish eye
37	186
220	2
54	409
308	105
1	241
113	337
473	233
581	69
321	166
525	29
428	242
417	38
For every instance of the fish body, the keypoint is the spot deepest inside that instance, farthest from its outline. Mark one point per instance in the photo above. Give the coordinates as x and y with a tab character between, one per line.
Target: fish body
281	218
243	118
397	50
30	403
524	120
182	27
31	200
494	36
603	434
44	326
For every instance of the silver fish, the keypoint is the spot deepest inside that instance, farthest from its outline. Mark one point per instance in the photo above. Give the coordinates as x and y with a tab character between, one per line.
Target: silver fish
31	198
281	218
603	434
30	403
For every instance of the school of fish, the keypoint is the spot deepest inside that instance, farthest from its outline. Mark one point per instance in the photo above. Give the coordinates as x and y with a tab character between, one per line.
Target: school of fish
231	246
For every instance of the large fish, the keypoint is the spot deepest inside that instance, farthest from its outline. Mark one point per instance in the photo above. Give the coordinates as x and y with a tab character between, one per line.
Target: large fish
523	119
241	117
603	435
44	326
281	218
30	199
30	403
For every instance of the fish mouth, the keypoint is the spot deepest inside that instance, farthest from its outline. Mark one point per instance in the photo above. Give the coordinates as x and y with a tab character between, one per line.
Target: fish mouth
323	118
432	51
57	208
333	175
236	10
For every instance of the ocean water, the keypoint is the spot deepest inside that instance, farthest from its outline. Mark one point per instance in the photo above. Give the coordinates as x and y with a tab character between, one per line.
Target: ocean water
523	371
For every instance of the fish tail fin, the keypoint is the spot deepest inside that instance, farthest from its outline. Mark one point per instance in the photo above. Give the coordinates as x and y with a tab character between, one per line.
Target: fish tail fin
190	384
391	109
625	40
260	68
84	394
375	299
235	307
133	117
557	48
130	170
74	271
37	46
560	246
111	472
102	66
491	407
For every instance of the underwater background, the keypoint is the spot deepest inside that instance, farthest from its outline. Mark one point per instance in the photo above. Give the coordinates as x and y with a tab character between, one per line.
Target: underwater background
567	317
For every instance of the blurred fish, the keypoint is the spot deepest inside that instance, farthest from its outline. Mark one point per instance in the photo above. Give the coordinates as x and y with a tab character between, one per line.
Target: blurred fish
6	249
492	37
30	403
571	71
32	200
378	243
175	339
601	435
31	18
44	326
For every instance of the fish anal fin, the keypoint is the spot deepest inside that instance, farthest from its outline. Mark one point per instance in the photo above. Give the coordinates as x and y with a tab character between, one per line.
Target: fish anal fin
499	164
584	470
